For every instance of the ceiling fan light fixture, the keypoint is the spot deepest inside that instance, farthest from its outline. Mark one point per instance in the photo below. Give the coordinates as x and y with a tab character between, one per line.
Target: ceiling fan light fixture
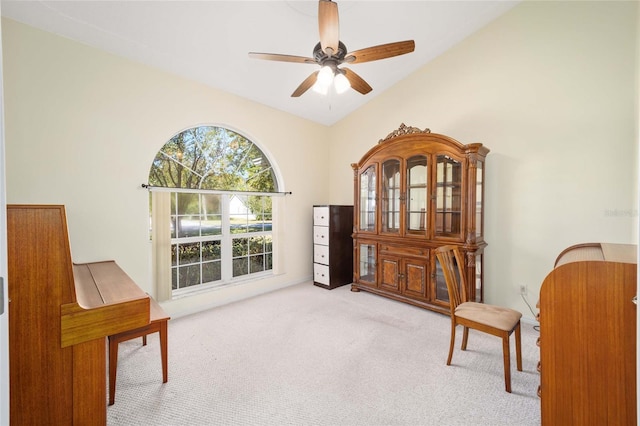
325	76
324	81
318	88
341	83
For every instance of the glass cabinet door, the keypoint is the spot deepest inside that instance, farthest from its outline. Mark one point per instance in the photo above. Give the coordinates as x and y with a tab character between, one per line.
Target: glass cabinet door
417	194
479	199
479	296
474	290
368	200
367	262
441	291
448	196
391	196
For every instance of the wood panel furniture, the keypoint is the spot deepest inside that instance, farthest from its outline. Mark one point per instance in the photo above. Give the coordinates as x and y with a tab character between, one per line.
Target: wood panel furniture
413	192
588	337
59	319
157	324
332	245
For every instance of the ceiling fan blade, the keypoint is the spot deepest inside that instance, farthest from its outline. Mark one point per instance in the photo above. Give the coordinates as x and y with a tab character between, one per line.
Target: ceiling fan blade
282	58
382	51
329	26
306	84
357	83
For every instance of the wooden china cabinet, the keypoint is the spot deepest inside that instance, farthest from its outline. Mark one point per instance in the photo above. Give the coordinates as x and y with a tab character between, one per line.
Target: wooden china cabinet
414	192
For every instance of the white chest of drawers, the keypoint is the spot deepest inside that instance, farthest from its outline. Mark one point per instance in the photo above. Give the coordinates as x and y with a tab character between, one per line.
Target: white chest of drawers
332	245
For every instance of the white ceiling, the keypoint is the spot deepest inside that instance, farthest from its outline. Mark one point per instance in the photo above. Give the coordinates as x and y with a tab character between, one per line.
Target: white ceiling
208	41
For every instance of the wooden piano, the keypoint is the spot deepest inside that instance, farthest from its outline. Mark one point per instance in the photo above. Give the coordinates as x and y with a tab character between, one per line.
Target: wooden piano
59	317
588	337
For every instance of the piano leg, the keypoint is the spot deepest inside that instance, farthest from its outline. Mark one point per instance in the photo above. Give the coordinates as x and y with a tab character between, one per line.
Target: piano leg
113	367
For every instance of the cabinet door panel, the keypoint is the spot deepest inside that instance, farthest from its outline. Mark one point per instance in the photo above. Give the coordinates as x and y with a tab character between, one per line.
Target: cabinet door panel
367	200
391	196
417	183
415	274
449	197
439	285
366	263
389	273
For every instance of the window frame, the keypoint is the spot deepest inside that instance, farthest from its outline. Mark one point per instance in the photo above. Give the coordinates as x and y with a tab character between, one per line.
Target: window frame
226	237
165	259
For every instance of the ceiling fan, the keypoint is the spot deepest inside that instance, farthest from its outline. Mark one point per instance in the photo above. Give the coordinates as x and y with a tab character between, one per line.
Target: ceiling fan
330	52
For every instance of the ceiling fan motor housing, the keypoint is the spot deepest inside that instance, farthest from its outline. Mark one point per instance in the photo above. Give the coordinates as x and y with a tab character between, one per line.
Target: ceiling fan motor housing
325	60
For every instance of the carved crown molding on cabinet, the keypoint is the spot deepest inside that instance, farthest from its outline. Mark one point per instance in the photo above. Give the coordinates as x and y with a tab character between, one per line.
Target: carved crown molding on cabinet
403	130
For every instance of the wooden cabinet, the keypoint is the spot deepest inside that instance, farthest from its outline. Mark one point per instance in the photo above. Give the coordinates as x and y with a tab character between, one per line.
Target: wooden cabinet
332	245
414	192
588	337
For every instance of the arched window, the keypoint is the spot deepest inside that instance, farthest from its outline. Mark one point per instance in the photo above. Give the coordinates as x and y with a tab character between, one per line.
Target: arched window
211	211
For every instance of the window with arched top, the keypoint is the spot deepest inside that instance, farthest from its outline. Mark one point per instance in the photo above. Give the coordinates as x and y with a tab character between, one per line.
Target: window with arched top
212	193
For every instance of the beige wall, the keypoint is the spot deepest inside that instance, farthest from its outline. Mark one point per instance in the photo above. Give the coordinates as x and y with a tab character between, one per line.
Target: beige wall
83	126
550	88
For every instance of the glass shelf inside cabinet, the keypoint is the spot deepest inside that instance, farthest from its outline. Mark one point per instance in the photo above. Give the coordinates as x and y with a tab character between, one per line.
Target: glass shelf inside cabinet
391	196
448	196
417	194
368	200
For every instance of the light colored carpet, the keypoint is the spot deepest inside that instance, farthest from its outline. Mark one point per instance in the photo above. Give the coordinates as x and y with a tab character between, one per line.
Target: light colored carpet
309	356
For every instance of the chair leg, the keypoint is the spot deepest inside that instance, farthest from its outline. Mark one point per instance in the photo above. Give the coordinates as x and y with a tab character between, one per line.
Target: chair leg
518	348
465	338
113	366
507	362
144	340
453	341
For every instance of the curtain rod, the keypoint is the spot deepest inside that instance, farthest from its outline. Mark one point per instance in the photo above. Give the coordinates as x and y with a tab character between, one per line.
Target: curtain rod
211	191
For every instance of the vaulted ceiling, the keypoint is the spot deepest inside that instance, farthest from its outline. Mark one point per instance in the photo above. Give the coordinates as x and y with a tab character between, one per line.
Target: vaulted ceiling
209	41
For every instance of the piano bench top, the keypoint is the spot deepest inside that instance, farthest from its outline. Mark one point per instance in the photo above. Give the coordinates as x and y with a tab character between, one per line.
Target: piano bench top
157	314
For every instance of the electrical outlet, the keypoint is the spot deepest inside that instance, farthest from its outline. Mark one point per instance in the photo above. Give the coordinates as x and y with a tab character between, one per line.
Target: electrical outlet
523	289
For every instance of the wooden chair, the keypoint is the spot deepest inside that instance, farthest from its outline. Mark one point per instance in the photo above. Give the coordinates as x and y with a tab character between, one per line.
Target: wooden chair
490	319
157	323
